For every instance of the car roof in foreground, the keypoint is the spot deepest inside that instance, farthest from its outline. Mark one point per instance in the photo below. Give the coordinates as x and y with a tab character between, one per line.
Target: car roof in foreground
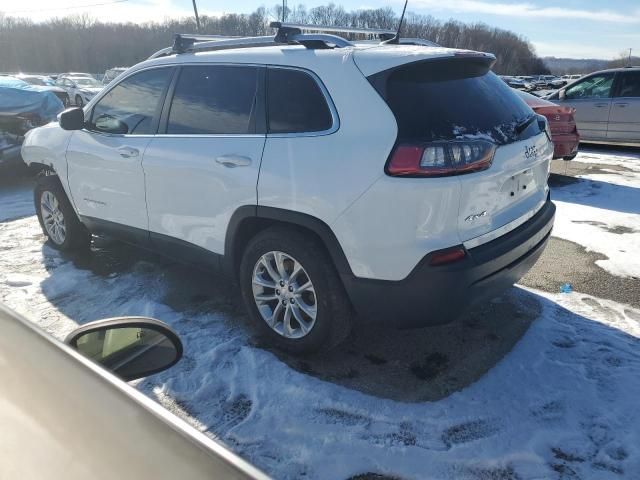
633	68
369	58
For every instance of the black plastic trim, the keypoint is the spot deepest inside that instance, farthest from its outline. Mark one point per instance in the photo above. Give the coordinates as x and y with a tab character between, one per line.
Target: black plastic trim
432	295
317	226
165	245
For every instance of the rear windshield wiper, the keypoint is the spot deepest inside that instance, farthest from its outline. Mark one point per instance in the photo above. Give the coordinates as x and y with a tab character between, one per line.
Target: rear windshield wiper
522	126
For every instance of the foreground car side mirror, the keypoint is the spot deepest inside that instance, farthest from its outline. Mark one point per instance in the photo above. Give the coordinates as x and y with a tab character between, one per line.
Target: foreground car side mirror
129	347
71	119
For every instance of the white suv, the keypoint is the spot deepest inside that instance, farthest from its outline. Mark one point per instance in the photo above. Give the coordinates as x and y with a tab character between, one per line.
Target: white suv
397	182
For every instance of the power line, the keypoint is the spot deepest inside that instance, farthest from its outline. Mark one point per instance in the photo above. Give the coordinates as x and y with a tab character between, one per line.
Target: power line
65	8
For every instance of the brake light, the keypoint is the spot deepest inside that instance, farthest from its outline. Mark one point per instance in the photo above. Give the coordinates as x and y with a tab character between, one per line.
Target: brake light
439	159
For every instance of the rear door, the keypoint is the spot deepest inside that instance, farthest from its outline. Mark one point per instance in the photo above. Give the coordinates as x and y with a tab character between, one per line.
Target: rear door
105	159
204	162
624	119
591	97
461	100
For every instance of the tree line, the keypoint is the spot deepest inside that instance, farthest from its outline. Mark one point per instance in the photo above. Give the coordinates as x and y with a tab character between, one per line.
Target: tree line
84	43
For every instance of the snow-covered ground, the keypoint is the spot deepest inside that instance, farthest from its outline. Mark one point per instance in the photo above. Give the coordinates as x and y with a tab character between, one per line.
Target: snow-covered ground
562	404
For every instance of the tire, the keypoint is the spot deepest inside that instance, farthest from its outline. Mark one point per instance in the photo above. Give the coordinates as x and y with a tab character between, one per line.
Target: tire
79	102
333	313
570	157
57	218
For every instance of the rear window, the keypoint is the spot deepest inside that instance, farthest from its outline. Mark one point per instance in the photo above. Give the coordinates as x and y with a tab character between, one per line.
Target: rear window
296	103
449	99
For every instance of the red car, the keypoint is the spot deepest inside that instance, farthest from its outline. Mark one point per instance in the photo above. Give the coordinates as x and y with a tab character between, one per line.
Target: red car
564	132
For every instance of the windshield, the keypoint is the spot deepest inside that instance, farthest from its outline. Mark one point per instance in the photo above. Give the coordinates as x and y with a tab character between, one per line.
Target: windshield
87	82
443	100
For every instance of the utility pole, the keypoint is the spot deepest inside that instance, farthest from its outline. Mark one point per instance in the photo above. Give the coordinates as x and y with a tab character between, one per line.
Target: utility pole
284	9
195	10
629	61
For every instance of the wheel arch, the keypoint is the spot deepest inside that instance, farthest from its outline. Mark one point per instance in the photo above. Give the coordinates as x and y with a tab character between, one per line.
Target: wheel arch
249	220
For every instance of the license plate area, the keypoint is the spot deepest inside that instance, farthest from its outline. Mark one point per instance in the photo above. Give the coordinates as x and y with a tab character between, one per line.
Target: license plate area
519	185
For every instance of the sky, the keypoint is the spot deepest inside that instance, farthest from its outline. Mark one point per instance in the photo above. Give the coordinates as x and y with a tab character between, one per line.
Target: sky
561	28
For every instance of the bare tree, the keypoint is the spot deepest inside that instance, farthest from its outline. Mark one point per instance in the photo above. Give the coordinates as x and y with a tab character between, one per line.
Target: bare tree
84	43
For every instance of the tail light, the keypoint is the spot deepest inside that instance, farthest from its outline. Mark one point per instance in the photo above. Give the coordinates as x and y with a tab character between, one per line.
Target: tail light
439	159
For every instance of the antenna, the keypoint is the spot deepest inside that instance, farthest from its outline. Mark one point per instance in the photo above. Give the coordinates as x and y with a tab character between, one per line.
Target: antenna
396	39
195	10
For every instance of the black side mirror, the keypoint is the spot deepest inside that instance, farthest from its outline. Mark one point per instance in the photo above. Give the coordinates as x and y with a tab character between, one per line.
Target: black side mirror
72	119
130	347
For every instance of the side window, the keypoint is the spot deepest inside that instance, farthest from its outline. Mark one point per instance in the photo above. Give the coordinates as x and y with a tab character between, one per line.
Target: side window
295	103
214	99
629	84
130	106
597	86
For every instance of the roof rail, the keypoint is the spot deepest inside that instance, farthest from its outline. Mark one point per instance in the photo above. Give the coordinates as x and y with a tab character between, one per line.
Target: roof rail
383	34
184	43
402	41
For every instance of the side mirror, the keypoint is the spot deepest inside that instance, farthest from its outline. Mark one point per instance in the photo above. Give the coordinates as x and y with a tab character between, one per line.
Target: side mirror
130	347
72	119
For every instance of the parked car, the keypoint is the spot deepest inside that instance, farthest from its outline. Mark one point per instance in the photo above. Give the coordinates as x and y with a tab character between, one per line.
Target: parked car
80	421
530	80
46	83
401	182
548	82
22	107
607	105
75	74
112	73
80	89
564	132
518	83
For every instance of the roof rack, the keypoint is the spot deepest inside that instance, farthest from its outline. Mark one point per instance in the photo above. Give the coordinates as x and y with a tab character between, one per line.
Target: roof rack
287	34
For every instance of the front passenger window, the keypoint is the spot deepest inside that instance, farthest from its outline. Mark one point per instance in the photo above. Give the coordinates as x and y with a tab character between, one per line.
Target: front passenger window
598	86
132	106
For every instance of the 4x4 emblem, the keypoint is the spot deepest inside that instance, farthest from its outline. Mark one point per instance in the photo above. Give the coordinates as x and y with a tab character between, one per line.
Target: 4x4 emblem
476	216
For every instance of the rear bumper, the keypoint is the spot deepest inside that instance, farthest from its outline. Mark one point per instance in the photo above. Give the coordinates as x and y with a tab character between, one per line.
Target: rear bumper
432	295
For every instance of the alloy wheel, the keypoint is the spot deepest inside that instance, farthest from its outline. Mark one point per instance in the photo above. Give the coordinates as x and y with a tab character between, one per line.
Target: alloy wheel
53	218
284	295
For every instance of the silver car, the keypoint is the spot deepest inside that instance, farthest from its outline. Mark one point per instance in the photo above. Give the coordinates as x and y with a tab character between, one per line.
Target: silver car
80	89
607	105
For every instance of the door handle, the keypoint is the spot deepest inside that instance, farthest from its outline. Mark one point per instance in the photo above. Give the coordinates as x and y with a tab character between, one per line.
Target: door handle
128	152
622	105
600	105
232	161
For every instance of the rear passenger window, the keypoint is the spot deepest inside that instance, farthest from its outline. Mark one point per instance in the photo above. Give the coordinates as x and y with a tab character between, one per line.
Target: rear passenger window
629	85
214	99
295	103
